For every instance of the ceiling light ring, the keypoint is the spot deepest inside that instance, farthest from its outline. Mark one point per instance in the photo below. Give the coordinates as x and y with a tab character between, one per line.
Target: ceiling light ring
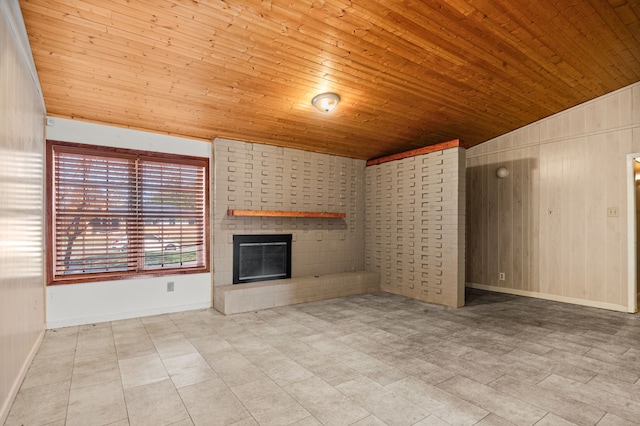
326	102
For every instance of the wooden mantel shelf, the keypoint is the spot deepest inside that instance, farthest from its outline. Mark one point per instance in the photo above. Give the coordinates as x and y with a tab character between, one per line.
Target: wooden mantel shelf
278	213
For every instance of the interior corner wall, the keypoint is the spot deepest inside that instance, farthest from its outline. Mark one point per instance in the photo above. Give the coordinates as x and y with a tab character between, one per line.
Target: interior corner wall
415	226
21	209
546	225
73	304
250	176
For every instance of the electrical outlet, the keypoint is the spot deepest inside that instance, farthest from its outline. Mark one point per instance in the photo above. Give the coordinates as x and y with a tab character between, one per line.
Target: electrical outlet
502	276
613	212
170	286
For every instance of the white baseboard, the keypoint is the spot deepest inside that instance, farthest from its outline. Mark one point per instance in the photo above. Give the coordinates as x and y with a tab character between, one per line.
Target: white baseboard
15	387
553	297
126	315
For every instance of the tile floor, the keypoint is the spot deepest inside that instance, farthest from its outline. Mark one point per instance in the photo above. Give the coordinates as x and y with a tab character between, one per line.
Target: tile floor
364	360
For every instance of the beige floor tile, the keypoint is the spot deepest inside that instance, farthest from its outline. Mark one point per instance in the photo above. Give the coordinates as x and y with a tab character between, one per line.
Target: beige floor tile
506	365
155	404
553	420
432	420
606	401
123	422
334	372
383	351
95	369
185	422
509	408
249	421
233	368
47	370
57	423
597	366
99	404
556	403
40	405
610	385
309	421
95	346
495	420
392	409
424	370
212	403
269	404
325	402
281	369
613	420
369	421
364	345
212	345
64	345
196	329
328	345
136	348
448	407
142	370
172	345
188	369
161	327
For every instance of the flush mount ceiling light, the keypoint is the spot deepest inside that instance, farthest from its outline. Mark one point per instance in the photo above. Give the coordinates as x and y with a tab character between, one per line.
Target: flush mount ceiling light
326	102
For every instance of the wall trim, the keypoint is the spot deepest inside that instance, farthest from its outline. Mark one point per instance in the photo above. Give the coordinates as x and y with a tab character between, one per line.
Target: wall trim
552	297
15	387
455	143
68	322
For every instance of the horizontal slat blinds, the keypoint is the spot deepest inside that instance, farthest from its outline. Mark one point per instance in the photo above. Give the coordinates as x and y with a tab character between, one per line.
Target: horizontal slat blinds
122	212
172	213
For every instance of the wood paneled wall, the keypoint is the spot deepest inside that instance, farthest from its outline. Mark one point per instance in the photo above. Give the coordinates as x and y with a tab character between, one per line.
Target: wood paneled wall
21	210
546	225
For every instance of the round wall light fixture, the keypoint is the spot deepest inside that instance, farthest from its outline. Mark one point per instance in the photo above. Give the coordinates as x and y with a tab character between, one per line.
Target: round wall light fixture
326	102
502	172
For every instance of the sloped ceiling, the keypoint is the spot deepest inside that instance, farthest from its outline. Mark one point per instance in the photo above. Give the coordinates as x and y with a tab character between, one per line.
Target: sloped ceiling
409	73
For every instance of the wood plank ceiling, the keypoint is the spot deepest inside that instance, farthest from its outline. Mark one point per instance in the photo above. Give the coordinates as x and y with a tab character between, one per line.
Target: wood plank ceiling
410	73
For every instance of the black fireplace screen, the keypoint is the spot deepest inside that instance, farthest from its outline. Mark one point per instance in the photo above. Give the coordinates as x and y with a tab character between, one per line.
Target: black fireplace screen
261	257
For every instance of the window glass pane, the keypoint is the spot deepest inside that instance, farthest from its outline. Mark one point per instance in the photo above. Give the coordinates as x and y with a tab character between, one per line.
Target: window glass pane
172	214
125	212
93	207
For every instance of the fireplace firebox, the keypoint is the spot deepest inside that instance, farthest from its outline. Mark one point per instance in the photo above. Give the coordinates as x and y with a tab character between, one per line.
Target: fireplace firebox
261	257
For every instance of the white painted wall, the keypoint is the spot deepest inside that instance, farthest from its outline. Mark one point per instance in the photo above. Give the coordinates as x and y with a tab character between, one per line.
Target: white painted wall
21	208
73	304
546	225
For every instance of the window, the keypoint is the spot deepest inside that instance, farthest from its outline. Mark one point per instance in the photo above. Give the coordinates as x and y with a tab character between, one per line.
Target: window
118	213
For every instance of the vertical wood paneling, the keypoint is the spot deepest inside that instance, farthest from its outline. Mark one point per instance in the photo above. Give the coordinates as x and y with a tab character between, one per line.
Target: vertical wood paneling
615	238
517	263
21	212
533	216
595	229
549	221
579	193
